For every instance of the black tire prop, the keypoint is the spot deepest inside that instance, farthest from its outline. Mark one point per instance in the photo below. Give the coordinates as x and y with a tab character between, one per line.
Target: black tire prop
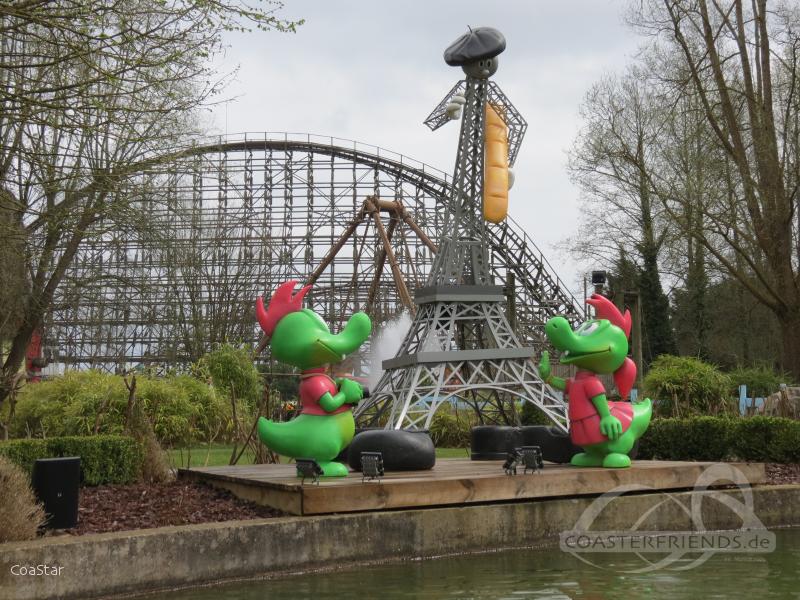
494	442
402	450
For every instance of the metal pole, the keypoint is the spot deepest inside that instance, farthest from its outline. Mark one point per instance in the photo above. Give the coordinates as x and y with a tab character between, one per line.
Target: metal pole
631	299
585	294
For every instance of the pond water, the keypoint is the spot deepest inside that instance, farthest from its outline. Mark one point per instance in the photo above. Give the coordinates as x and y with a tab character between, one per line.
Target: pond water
536	574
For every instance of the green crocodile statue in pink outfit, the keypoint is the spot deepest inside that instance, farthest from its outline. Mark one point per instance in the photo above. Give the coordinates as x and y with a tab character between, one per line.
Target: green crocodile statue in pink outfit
299	337
605	430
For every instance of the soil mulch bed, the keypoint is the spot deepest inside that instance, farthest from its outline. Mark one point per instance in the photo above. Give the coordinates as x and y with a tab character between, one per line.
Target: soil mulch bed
144	506
778	474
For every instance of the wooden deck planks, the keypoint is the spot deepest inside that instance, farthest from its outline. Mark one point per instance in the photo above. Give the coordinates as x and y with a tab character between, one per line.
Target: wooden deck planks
451	481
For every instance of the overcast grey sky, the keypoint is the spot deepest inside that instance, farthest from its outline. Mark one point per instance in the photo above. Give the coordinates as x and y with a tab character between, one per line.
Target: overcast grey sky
372	71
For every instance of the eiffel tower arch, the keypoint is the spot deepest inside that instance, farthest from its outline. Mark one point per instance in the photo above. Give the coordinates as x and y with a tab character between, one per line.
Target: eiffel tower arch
460	343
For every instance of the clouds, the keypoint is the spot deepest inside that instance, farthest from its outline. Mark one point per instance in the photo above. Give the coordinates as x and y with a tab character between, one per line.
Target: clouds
372	71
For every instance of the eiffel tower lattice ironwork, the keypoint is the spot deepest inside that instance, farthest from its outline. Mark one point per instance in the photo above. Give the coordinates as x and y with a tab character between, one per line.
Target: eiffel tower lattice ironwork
460	344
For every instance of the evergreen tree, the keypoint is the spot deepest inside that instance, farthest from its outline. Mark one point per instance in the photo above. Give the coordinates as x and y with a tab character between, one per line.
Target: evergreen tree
657	335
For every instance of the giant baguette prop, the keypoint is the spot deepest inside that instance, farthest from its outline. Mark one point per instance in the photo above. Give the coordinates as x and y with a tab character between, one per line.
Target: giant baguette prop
495	181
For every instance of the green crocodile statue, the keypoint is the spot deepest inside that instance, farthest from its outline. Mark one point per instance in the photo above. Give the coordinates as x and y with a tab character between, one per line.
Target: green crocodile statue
605	430
299	337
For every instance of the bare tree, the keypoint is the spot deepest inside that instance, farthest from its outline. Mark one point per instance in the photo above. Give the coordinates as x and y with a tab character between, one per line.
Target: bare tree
611	161
95	93
614	160
741	63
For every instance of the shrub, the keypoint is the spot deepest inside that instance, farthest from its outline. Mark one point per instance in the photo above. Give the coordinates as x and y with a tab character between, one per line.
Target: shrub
20	514
155	464
532	415
104	458
69	405
763	439
767	439
181	409
450	429
698	438
234	373
761	381
684	386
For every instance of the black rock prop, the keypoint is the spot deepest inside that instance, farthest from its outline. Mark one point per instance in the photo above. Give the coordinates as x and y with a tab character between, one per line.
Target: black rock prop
476	44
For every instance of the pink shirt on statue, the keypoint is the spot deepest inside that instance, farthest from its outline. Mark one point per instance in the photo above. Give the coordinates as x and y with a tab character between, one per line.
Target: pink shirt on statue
580	391
584	421
313	385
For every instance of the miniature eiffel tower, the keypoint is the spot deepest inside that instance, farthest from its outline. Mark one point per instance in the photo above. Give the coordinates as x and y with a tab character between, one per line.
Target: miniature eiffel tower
460	345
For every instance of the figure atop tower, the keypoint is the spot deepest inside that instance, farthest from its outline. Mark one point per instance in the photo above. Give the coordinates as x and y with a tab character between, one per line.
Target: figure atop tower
463	255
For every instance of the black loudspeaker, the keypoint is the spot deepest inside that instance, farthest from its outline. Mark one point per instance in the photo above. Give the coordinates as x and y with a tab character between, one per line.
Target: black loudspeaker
55	482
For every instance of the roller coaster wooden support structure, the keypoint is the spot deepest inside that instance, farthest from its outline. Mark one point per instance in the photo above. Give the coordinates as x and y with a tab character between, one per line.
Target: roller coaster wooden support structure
241	215
372	209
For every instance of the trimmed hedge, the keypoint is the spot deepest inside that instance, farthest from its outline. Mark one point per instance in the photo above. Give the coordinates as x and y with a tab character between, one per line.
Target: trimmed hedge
104	458
760	439
767	439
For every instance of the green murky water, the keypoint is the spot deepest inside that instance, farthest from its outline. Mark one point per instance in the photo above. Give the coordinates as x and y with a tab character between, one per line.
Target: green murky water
537	574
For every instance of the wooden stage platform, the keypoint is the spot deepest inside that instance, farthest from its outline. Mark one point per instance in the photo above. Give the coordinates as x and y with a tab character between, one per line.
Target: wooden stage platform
451	481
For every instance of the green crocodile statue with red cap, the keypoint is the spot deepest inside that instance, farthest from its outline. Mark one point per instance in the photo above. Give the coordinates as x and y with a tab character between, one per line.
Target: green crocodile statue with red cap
299	337
605	430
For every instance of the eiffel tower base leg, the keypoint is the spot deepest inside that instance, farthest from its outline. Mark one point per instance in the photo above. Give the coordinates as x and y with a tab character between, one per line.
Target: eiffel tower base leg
459	350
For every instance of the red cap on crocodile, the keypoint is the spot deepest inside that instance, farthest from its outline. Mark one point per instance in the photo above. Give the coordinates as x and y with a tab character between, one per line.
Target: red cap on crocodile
281	304
605	309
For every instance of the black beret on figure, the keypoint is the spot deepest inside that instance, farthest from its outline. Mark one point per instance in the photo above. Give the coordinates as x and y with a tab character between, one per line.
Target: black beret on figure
479	43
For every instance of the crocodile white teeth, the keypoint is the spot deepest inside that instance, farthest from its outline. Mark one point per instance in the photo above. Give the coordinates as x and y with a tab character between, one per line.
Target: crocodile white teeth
566	352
